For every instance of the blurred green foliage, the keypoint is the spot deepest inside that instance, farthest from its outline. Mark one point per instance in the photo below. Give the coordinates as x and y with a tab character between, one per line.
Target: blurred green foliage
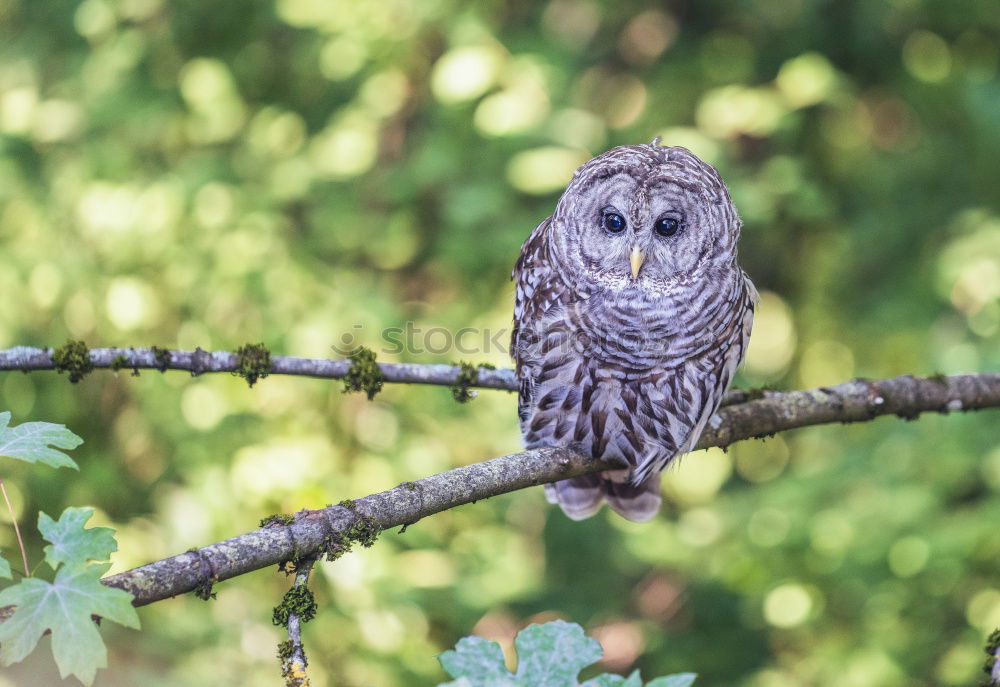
210	173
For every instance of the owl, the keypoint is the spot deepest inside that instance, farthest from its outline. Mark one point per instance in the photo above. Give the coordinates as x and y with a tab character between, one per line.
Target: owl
631	315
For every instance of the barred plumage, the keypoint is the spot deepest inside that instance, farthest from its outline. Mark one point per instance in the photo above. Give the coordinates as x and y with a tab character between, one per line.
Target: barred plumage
630	318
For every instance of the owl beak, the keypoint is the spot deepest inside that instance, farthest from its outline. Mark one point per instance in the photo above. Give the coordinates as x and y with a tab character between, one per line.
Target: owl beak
636	259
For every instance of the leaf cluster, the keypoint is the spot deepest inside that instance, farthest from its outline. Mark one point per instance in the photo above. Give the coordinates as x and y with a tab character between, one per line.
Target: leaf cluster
67	605
549	655
77	555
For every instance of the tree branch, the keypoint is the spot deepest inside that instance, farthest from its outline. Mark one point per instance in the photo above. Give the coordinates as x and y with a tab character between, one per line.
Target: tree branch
27	359
291	652
331	530
327	529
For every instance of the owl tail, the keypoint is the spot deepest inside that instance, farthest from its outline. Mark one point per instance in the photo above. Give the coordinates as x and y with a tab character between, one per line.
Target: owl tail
580	497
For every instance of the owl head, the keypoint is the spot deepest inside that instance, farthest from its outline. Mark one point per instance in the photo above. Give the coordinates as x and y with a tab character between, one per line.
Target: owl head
645	217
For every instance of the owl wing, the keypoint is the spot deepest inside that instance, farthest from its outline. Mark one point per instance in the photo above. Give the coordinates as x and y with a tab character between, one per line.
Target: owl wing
695	393
539	293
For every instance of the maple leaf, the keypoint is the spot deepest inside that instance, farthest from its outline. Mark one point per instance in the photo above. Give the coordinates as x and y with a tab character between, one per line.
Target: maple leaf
71	543
549	655
608	680
65	607
30	441
68	605
678	680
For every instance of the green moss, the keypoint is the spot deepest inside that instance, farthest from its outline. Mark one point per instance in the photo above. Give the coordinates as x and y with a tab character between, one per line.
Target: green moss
254	362
335	546
298	601
163	358
118	362
291	670
277	519
939	378
992	643
757	393
286	648
468	376
73	357
364	531
364	373
349	504
204	590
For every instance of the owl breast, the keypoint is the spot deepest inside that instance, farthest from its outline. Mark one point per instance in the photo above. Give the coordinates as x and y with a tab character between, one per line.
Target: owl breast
624	377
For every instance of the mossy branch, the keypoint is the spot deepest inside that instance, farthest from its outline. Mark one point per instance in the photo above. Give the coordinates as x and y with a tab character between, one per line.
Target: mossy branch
461	378
330	529
296	608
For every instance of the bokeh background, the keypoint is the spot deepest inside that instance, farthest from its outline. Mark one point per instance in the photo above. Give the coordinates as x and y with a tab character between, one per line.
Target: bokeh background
214	173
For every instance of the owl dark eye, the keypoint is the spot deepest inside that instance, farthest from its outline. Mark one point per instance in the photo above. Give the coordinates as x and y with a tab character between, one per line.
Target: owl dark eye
667	226
614	222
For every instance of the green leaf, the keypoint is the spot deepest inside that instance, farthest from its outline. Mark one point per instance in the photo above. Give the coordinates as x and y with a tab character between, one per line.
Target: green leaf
477	661
677	680
4	568
64	606
551	655
609	680
30	442
71	543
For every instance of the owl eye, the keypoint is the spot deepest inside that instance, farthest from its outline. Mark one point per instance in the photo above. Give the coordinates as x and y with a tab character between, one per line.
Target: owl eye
614	222
667	226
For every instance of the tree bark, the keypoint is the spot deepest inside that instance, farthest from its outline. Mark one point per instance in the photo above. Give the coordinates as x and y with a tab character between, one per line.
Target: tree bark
315	531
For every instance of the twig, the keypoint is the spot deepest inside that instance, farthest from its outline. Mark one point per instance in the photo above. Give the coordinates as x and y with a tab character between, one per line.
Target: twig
26	359
17	530
292	652
856	401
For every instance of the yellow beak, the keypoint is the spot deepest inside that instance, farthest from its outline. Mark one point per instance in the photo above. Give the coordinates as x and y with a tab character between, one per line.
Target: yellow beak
636	259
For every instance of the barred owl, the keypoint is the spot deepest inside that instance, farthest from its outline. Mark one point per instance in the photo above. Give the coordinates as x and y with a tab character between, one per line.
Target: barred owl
630	318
